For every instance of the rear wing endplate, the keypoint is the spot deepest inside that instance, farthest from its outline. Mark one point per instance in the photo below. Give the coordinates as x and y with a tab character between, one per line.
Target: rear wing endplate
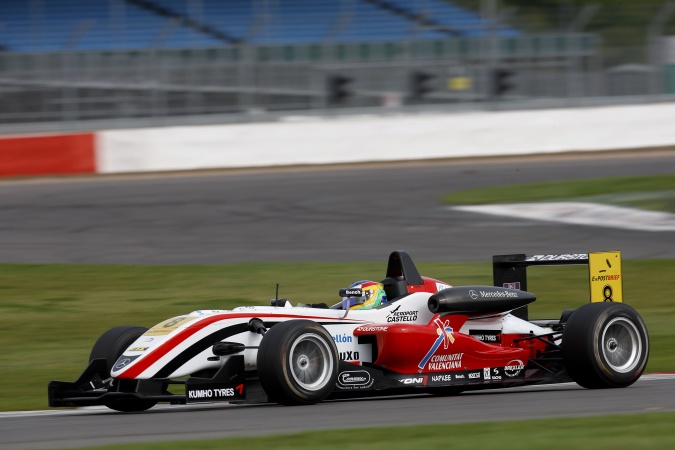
604	273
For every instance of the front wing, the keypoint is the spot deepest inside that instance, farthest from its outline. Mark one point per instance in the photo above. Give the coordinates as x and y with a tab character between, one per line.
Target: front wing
95	387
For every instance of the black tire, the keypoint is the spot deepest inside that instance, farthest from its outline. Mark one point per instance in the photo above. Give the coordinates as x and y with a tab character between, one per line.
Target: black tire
605	345
113	342
110	347
297	363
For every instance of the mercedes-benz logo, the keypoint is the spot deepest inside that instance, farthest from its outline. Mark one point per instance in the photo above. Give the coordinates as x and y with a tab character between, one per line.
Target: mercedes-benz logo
473	294
122	363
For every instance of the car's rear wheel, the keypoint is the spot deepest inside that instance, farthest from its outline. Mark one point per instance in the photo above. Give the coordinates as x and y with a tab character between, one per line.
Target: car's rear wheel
605	345
110	347
297	363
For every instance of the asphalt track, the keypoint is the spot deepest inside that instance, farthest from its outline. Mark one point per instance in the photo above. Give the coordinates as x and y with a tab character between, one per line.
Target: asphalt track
325	214
97	426
346	213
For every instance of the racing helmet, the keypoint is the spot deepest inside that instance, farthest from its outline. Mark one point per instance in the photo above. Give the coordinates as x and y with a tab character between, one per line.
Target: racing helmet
372	295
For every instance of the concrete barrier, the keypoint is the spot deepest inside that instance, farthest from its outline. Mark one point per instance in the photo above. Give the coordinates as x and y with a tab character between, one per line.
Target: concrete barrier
40	155
297	140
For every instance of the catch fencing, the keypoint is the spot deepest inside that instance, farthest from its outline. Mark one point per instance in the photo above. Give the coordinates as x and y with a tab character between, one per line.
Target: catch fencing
70	89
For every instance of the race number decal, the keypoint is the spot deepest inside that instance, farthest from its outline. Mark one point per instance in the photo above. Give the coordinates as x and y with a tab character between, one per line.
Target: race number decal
604	269
168	326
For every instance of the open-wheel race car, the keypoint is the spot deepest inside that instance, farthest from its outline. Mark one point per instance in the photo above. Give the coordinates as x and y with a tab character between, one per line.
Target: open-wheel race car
405	334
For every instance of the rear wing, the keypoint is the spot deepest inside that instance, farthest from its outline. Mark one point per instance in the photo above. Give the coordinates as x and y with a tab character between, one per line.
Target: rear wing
604	273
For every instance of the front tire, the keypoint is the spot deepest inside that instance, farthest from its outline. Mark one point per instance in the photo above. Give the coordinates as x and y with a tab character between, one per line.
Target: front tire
113	342
605	345
110	347
297	363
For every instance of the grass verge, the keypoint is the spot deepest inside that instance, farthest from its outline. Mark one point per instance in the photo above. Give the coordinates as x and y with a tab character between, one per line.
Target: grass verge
52	314
656	192
651	430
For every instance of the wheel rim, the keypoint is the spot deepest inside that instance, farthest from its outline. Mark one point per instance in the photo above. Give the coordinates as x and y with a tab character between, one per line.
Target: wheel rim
621	345
311	362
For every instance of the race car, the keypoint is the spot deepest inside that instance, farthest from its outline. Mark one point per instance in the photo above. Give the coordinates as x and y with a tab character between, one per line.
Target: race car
405	334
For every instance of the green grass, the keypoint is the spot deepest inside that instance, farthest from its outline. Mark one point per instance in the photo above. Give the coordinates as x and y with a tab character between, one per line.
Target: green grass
52	314
655	192
651	430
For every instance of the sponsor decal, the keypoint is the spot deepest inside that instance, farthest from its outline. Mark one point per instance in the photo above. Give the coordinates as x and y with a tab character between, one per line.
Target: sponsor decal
473	294
442	378
349	356
206	393
445	362
498	294
123	361
138	349
489	336
445	337
513	368
401	316
354	379
514	285
606	278
168	326
342	338
474	375
353	293
370	329
565	257
450	377
414	380
211	393
486	373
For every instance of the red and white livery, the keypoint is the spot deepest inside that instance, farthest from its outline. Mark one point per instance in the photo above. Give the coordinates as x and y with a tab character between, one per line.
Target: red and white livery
427	337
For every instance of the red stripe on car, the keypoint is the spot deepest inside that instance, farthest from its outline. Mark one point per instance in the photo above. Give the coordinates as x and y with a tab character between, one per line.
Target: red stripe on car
142	364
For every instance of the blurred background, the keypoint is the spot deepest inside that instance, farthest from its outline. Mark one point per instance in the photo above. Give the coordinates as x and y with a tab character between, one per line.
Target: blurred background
72	64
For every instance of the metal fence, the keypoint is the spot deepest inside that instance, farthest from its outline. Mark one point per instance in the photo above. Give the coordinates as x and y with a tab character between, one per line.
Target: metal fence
67	86
71	87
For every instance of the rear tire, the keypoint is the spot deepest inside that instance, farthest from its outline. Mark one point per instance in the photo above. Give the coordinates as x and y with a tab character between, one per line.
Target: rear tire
605	345
110	347
297	363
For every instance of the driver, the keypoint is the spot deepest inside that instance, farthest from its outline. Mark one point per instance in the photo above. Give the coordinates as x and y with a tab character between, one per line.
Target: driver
372	296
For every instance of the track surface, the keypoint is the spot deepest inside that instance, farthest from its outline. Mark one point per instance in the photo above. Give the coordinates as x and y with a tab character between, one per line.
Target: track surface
327	214
70	429
330	214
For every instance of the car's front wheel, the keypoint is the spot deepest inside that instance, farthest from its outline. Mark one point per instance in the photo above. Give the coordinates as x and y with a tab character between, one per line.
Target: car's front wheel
605	345
297	363
110	347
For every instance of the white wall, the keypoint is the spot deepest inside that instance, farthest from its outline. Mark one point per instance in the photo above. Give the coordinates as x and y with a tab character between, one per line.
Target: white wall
377	138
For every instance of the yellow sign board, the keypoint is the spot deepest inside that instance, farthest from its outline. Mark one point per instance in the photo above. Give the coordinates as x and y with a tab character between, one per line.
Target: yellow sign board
460	83
604	270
